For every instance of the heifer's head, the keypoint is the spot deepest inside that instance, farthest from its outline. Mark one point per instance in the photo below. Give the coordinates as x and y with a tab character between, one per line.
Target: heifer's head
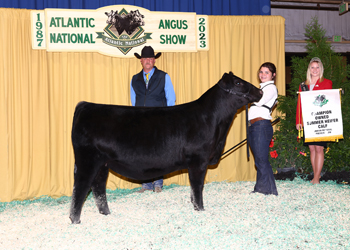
237	86
110	15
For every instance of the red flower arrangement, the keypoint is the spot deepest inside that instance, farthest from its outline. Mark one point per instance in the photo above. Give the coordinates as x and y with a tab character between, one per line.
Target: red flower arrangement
272	142
303	153
273	154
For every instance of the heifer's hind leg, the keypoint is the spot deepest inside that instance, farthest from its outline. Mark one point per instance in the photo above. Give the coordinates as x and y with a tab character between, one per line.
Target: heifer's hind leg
83	179
196	176
99	190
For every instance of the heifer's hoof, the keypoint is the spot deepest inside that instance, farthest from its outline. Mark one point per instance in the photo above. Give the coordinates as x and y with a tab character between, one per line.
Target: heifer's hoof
74	221
199	209
105	212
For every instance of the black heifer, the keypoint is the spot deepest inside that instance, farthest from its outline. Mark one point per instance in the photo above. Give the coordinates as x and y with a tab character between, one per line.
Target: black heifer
143	143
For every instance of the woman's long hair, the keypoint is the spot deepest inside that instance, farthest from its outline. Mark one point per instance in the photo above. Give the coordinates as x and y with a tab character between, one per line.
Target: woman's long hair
308	73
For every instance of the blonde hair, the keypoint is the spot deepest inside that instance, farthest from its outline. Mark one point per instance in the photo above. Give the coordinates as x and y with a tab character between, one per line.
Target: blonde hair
308	73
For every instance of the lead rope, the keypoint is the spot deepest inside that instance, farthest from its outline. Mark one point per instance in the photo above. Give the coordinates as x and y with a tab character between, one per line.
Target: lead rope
272	123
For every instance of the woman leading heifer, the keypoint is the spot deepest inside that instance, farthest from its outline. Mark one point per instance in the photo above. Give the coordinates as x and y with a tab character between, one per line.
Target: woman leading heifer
261	131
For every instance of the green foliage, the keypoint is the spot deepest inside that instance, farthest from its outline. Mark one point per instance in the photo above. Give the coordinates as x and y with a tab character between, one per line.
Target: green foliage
291	152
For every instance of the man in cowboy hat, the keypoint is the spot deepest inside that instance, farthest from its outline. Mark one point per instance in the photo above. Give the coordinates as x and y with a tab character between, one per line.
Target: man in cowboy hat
151	88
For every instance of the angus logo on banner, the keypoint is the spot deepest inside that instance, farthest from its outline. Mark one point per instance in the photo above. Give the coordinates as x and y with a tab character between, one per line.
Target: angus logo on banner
124	30
118	29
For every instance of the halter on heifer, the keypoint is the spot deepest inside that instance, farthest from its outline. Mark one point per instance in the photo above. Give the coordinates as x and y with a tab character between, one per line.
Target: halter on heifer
231	91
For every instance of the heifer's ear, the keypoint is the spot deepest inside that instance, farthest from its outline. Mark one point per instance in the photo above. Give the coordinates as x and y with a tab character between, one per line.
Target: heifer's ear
225	78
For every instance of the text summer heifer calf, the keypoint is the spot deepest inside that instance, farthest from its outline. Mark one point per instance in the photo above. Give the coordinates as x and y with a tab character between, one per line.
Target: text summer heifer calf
143	143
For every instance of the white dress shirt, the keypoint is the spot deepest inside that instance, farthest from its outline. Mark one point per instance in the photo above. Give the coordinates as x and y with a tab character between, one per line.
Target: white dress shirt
269	96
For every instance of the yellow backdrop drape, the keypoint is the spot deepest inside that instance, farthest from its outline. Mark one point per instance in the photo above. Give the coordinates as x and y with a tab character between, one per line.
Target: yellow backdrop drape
39	91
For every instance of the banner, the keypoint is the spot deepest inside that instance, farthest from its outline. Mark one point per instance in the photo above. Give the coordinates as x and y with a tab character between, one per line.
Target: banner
322	115
118	30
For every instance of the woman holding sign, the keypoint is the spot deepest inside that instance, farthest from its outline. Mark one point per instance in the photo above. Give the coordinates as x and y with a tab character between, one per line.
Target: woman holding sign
314	81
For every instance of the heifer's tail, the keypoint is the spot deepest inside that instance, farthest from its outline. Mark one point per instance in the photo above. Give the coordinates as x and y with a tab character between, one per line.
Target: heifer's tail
78	109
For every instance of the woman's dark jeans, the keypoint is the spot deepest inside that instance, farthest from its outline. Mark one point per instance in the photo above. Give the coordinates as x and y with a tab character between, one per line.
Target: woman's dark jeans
260	135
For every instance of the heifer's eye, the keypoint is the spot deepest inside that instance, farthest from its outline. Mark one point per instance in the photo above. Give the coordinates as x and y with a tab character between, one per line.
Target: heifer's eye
238	83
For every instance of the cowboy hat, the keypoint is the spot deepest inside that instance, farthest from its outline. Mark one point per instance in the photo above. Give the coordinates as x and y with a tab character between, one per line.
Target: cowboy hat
147	52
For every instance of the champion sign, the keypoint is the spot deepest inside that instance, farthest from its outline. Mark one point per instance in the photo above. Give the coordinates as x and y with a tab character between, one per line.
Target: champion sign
118	29
322	115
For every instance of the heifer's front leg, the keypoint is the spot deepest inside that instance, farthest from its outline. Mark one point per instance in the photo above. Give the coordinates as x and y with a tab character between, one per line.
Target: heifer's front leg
196	175
99	190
